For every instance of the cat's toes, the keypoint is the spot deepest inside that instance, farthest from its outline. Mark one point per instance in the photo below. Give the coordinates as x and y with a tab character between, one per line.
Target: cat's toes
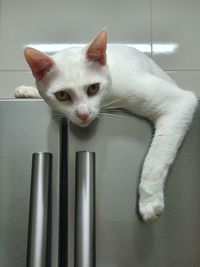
26	92
151	208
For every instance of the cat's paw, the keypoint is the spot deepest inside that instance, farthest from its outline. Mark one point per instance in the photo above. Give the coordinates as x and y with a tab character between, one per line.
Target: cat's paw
151	206
26	92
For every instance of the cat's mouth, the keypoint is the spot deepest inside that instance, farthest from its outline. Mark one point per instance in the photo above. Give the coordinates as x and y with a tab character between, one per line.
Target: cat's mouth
85	123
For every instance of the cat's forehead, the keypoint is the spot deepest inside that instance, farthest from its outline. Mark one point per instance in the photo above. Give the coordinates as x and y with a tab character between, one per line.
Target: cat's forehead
71	56
74	67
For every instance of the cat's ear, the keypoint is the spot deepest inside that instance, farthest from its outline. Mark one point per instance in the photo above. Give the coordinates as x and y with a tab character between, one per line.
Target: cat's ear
96	51
39	63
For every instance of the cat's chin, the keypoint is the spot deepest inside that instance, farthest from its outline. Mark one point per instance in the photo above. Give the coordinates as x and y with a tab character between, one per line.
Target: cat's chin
83	124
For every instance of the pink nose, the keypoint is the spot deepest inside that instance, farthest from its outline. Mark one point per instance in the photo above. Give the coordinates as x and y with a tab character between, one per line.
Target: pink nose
83	116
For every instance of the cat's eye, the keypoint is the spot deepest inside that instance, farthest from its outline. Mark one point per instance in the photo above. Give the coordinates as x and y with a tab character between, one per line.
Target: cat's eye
93	89
63	96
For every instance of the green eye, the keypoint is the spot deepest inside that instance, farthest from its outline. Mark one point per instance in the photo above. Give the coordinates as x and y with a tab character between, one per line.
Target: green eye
63	96
93	89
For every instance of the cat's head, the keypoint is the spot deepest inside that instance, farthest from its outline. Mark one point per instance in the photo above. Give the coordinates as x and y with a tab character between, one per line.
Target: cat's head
74	81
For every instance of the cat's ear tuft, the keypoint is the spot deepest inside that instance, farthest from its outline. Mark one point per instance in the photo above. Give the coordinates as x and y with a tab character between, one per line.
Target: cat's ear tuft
96	51
39	63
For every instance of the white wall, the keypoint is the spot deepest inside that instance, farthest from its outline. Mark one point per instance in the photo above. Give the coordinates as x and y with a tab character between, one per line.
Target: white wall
166	29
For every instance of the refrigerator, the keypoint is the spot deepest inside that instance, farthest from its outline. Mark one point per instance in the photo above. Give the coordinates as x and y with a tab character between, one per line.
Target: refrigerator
92	222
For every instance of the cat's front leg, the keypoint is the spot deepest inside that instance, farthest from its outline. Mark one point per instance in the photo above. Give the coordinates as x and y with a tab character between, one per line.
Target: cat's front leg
26	92
170	130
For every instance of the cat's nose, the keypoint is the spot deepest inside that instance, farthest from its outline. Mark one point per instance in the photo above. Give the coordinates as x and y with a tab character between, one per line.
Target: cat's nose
83	116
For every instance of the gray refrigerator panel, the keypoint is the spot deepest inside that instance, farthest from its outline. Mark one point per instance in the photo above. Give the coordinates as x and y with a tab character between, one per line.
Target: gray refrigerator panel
122	239
25	127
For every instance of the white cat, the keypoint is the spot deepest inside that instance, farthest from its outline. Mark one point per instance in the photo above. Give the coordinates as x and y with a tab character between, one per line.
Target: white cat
81	82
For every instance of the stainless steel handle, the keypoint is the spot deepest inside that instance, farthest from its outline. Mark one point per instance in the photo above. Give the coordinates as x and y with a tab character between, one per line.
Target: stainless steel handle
38	253
85	210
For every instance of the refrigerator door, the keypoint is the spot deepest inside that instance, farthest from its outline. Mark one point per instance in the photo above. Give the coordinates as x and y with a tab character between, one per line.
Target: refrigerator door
26	127
122	239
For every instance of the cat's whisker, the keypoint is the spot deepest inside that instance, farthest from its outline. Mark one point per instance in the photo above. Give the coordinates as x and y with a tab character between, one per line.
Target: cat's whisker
107	104
100	117
116	100
124	106
59	117
115	115
111	110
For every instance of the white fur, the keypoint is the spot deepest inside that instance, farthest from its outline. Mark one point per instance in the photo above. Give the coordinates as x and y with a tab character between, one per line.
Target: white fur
132	81
26	92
